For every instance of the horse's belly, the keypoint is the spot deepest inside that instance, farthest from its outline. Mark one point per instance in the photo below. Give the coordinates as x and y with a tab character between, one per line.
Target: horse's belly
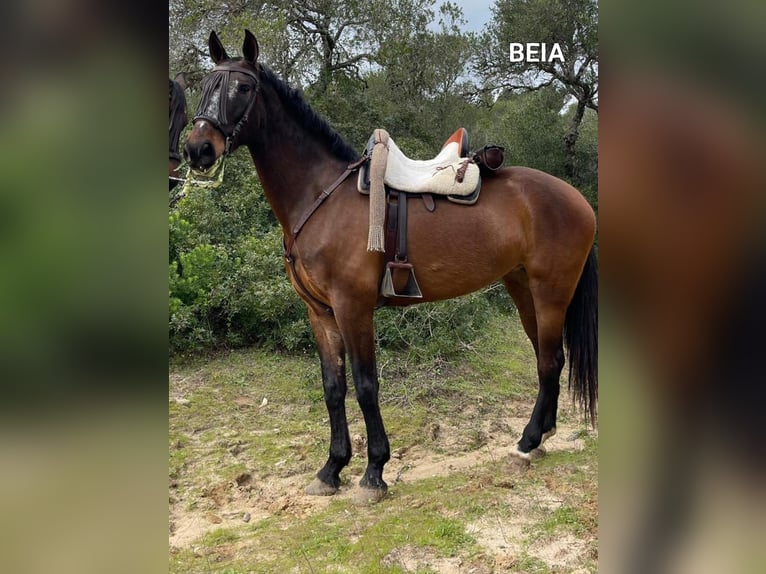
465	251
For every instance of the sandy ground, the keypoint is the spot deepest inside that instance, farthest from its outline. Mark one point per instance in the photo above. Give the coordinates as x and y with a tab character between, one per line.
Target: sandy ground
502	537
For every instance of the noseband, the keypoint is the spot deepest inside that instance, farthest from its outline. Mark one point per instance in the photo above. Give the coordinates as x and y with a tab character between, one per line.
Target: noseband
219	77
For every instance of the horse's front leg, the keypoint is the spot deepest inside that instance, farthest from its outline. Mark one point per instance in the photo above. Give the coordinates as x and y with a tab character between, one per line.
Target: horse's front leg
356	324
332	355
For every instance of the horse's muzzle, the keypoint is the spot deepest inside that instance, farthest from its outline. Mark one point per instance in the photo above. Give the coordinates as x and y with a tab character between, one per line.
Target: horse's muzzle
200	155
204	145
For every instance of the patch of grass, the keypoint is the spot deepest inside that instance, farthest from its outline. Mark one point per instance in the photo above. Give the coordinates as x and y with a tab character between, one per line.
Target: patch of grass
501	360
564	518
414	527
505	355
178	455
530	565
320	542
232	471
220	536
451	533
182	561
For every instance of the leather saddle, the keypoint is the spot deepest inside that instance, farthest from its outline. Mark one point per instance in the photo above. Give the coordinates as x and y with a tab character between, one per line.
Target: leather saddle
452	172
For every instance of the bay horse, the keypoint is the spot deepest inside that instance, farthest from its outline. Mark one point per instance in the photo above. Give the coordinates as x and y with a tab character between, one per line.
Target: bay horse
529	229
178	121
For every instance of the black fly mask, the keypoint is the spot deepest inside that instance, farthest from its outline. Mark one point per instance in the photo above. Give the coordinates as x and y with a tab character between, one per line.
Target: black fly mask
214	103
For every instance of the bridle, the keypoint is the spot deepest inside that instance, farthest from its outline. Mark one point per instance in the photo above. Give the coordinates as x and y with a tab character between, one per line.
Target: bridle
219	77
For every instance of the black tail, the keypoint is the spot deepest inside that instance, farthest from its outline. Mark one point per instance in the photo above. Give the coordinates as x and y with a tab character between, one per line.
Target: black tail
581	339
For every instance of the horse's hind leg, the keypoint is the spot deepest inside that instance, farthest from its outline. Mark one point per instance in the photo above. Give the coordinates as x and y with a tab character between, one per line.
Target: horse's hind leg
517	285
332	356
542	312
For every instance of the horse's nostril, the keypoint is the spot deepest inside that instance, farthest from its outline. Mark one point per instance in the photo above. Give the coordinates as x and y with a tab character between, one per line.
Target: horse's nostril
199	154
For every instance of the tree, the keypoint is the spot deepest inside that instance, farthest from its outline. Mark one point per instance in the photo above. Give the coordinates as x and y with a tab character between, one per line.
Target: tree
418	91
305	43
530	128
573	25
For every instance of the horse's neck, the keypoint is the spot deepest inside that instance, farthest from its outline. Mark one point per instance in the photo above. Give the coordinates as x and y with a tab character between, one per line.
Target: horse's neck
293	166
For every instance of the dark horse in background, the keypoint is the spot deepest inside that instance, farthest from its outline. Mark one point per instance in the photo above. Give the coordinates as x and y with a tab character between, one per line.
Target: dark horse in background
178	121
529	229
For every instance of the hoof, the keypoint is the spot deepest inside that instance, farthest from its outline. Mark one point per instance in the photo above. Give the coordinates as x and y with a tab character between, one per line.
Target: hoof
319	488
518	465
537	453
368	496
548	435
519	461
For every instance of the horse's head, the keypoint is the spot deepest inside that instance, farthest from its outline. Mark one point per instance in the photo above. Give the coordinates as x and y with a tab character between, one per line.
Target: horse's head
228	95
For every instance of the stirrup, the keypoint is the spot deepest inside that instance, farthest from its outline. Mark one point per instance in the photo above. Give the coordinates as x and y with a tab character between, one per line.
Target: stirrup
411	289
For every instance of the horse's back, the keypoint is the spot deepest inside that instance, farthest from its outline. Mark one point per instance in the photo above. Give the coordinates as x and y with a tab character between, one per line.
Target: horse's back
540	191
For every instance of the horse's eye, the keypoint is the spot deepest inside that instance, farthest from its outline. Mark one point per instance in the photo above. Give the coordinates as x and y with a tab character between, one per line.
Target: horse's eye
244	88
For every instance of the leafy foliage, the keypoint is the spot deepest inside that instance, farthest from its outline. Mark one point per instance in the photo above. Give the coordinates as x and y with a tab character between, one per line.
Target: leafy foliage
406	66
227	283
434	329
573	26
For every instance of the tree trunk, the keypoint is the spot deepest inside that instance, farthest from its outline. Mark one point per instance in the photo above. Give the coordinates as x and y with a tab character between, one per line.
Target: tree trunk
570	140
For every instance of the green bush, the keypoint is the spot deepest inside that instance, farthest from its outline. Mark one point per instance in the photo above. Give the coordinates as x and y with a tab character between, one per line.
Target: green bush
438	329
227	284
260	303
235	295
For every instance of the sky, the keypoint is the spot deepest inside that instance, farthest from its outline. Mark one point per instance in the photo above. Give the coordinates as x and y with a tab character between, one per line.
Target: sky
477	12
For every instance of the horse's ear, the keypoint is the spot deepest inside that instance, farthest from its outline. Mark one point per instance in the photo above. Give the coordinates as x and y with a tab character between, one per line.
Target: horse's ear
250	48
180	79
217	51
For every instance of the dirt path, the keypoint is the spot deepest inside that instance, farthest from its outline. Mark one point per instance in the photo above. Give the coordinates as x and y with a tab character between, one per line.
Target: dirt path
503	536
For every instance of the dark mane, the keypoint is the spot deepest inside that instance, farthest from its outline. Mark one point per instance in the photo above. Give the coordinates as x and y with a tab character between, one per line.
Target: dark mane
311	120
177	97
177	116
